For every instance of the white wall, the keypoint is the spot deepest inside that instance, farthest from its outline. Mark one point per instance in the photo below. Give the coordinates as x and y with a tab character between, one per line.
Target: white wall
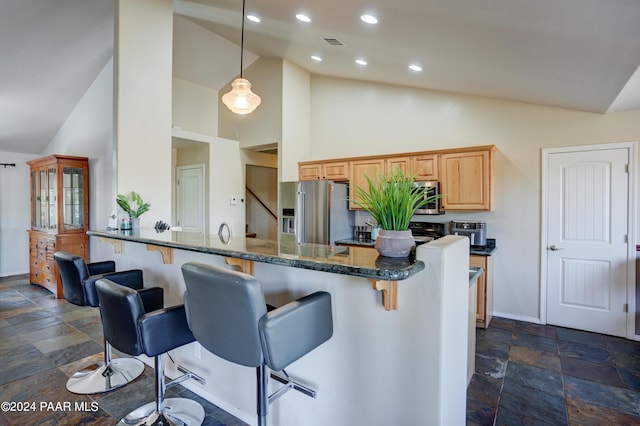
14	214
353	118
143	77
88	132
226	181
194	108
296	120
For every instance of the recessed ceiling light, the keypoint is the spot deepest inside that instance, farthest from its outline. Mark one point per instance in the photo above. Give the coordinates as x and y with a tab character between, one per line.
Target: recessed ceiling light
253	18
303	18
316	58
361	62
414	67
369	19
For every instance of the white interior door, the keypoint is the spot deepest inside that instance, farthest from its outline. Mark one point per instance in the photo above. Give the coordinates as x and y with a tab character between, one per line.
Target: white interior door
190	197
587	248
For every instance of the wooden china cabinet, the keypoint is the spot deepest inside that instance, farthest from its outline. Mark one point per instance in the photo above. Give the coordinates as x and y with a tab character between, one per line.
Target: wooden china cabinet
59	215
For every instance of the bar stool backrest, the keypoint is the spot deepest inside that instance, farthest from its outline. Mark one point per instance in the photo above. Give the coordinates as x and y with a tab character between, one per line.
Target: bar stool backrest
223	310
120	308
73	271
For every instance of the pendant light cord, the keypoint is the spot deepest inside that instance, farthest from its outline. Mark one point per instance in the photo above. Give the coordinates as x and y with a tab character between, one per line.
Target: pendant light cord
242	39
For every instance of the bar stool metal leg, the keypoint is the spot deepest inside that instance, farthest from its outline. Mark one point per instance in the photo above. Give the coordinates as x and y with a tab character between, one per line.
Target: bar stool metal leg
262	399
165	412
106	376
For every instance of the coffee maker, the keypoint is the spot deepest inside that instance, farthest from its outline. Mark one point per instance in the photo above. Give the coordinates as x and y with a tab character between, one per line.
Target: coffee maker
475	230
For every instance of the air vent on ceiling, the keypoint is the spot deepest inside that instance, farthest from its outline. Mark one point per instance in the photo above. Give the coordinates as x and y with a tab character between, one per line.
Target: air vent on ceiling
333	41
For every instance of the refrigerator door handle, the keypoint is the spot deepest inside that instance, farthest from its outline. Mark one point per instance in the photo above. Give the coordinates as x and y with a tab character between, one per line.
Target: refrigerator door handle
300	222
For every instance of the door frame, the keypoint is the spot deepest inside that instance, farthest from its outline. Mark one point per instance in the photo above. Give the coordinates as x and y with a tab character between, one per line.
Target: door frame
631	226
203	192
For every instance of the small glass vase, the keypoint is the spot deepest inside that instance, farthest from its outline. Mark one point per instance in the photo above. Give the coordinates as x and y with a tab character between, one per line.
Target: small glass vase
126	224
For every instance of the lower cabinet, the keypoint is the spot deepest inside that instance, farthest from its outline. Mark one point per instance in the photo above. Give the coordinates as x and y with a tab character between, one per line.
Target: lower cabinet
484	301
42	266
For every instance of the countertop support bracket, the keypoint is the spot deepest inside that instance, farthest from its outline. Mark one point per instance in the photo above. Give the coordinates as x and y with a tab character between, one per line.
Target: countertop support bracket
389	293
245	265
166	252
118	245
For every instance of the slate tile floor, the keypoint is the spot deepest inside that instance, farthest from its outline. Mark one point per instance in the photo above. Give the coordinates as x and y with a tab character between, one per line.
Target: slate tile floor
525	373
529	374
43	341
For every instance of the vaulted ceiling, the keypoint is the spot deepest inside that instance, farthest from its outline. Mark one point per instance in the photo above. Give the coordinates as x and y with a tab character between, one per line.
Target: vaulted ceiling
576	54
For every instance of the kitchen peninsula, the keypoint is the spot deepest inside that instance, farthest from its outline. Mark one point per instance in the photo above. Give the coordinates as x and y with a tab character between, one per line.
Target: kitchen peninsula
400	366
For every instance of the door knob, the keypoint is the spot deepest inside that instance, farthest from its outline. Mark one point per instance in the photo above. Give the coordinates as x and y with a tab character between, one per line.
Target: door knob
554	248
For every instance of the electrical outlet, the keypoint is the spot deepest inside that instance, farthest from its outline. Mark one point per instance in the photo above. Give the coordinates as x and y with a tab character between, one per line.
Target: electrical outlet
234	201
197	350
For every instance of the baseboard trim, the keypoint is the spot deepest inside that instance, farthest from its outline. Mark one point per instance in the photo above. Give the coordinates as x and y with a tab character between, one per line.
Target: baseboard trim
18	275
517	317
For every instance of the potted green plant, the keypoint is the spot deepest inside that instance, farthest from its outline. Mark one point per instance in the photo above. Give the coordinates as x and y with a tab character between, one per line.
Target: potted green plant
133	205
391	199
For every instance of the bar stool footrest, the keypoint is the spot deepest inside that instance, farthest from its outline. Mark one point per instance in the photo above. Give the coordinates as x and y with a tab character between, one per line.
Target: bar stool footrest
289	384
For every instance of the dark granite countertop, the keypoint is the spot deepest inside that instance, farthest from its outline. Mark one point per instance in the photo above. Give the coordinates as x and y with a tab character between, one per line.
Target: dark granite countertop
487	250
353	242
355	261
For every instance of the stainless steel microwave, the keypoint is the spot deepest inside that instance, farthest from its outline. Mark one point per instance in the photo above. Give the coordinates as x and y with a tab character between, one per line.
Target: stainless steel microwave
431	188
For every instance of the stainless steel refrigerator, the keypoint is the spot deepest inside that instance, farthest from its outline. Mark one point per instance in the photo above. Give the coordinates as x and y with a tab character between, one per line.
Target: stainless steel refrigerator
315	211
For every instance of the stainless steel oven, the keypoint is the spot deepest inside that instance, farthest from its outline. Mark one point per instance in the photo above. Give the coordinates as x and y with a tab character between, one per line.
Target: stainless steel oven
431	188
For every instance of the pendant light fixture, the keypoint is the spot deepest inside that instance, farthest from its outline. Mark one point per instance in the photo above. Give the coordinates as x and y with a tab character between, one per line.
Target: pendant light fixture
241	100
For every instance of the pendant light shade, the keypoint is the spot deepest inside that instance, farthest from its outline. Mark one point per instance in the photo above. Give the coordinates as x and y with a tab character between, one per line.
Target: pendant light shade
241	100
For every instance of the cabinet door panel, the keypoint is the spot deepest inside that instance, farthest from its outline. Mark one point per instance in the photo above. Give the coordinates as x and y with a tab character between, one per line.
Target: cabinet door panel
465	181
358	170
425	167
479	261
404	163
310	171
338	171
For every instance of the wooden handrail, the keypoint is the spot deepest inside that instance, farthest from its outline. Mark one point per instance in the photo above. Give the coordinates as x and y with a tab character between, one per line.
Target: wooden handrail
262	203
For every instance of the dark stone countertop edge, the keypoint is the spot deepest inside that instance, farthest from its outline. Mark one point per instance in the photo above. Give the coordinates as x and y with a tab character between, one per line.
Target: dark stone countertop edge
383	274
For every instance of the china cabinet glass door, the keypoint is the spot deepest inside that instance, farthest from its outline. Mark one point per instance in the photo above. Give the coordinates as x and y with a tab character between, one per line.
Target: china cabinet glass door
42	199
51	199
35	200
73	192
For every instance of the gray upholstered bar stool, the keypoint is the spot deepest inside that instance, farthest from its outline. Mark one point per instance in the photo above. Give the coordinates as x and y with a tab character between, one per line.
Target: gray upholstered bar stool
132	331
227	314
78	285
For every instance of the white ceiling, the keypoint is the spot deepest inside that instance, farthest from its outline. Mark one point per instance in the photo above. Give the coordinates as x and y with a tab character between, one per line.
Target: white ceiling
50	53
576	54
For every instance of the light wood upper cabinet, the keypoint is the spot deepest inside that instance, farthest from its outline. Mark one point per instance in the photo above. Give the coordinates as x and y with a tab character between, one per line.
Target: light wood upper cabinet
425	167
358	170
335	170
466	180
404	163
465	174
310	171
